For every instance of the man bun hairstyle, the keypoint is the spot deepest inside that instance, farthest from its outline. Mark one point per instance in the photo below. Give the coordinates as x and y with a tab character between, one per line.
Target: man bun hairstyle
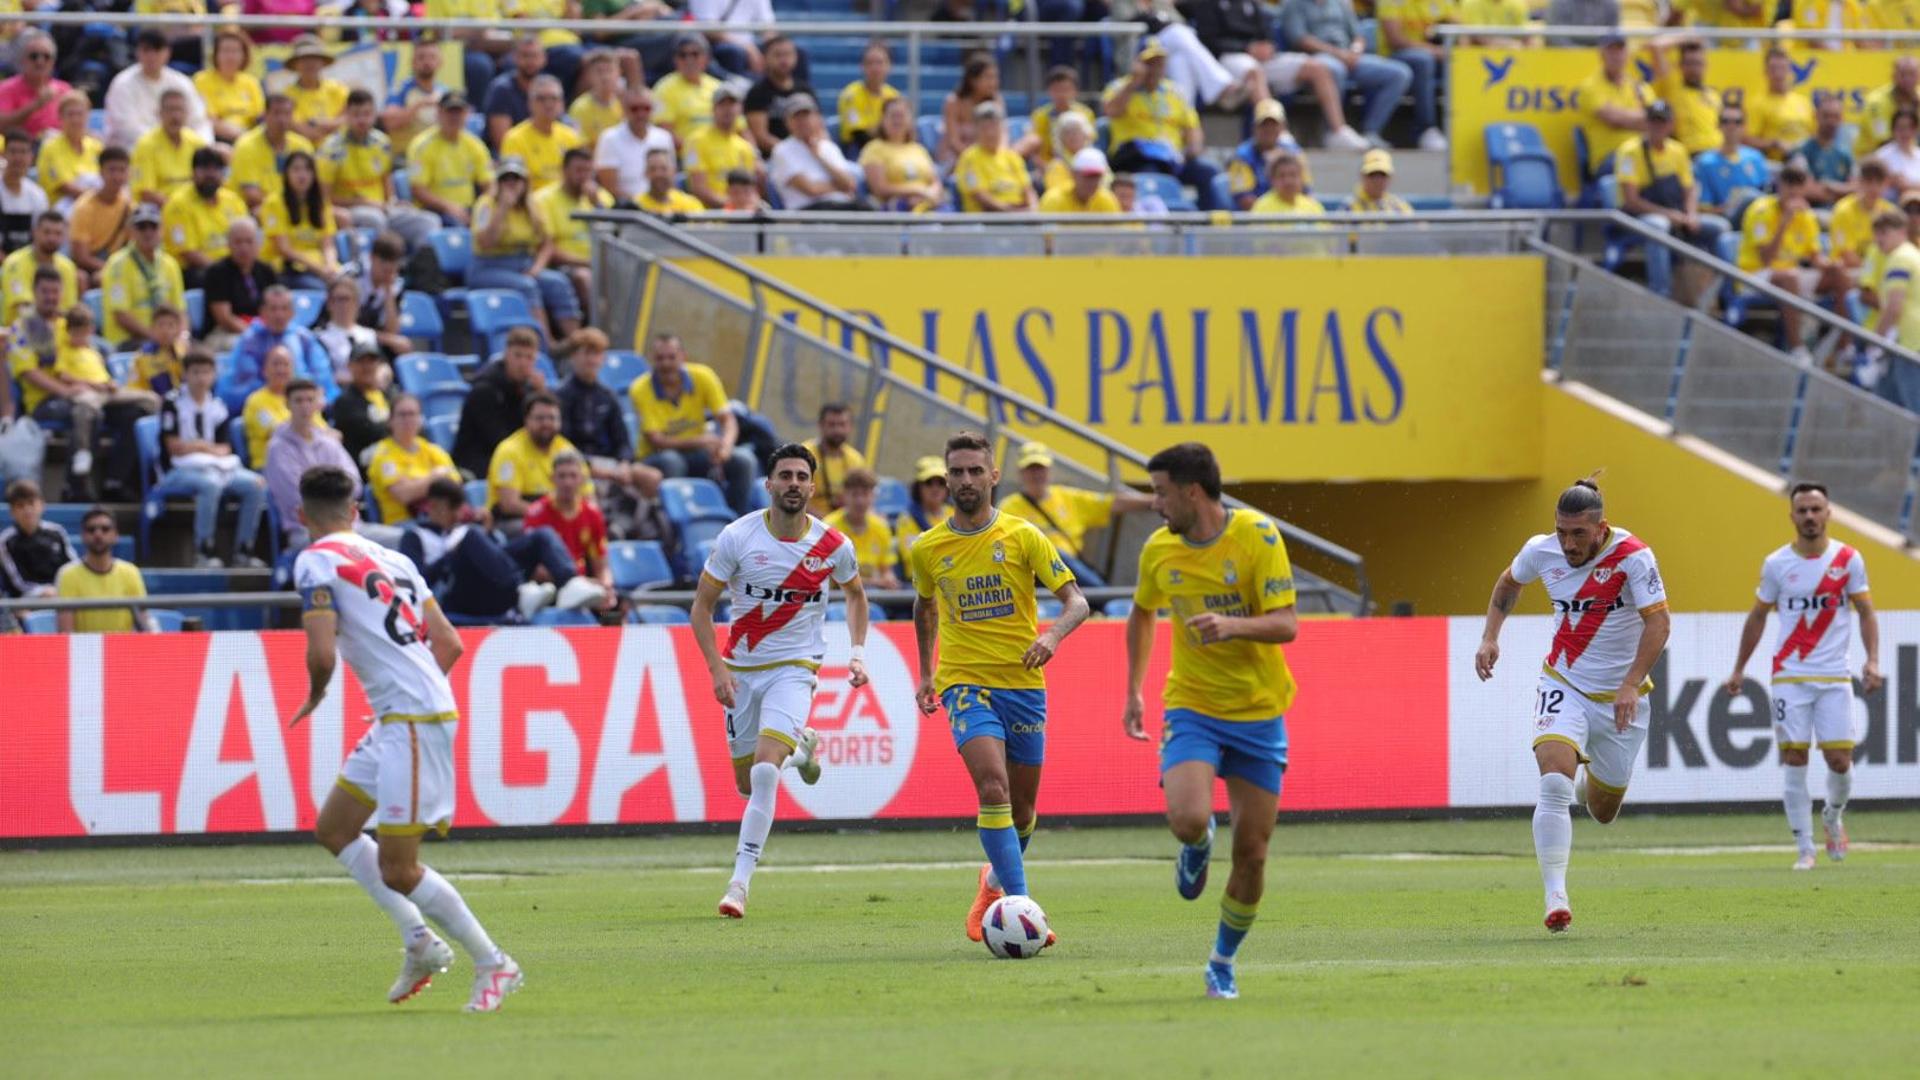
1582	497
1189	463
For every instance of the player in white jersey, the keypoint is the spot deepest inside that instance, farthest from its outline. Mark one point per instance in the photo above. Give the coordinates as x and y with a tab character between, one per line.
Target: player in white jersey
370	603
1587	709
774	566
1816	584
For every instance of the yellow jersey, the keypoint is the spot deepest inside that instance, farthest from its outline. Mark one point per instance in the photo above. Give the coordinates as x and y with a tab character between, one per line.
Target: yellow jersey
1875	122
1302	205
517	237
1597	92
263	411
1787	118
136	286
872	546
680	105
1042	122
256	163
519	465
1417	18
162	165
1000	175
907	529
713	153
1062	200
1162	114
356	168
1715	13
449	169
572	236
1903	271
1828	14
860	109
16	281
1893	14
238	101
1851	228
1757	228
22	360
701	396
1064	516
1493	12
99	226
157	371
1389	203
1630	163
593	116
1243	572
327	101
390	462
673	202
833	474
542	9
78	581
541	152
1696	111
309	239
190	223
61	163
985	584
900	163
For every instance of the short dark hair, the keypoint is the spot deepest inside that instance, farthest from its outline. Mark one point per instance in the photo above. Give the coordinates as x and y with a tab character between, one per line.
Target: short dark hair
389	246
152	38
1873	169
49	217
1062	73
96	512
208	158
301	385
792	450
1805	486
21	491
166	309
969	440
537	399
1793	174
19	135
197	357
326	491
1692	46
1581	497
573	155
114	153
48	273
447	490
1189	463
860	480
359	96
835	408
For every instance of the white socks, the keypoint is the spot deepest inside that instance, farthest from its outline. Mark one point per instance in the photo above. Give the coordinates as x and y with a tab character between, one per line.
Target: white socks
362	860
1553	831
1799	806
757	821
1839	790
442	903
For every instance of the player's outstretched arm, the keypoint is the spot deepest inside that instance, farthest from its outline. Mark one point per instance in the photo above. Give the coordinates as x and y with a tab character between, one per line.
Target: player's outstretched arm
1139	650
442	638
1074	610
705	595
857	612
1870	677
320	627
926	632
1750	634
1506	594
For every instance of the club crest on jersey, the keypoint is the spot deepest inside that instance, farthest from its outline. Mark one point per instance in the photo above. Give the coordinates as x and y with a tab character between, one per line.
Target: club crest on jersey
999	552
814	564
1174	577
1836	572
1229	572
946	562
1601	575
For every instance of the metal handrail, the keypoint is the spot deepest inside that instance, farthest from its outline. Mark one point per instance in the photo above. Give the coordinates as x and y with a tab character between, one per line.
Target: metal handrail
606	221
675	597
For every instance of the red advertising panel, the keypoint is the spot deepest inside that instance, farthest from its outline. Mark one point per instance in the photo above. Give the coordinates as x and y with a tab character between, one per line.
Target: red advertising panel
186	733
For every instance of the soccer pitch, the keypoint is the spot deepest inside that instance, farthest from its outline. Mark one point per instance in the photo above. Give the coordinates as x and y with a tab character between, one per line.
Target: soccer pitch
1399	949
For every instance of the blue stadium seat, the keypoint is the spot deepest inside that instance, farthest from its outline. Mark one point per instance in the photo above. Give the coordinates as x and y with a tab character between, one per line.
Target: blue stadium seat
351	243
1167	187
927	129
1529	182
659	615
567	617
758	498
97	123
688	499
1222	190
307	305
93	298
1506	141
443	402
443	429
891	498
120	366
622	368
837	611
477	493
453	247
166	620
1048	607
493	312
629	414
425	373
196	310
420	319
40	622
1117	608
638	564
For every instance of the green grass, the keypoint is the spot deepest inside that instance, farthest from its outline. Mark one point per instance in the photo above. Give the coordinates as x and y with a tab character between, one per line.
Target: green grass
213	962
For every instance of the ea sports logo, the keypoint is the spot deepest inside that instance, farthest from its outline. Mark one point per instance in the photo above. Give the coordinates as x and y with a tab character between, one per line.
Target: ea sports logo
867	735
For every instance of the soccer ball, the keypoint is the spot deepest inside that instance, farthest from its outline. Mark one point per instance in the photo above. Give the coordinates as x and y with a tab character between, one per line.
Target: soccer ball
1016	928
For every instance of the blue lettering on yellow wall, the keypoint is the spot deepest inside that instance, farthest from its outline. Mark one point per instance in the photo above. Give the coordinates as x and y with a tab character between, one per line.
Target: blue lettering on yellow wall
1163	382
1097	370
1383	360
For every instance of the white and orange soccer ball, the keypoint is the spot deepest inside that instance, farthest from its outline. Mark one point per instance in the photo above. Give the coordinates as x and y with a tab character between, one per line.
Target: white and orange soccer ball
1015	928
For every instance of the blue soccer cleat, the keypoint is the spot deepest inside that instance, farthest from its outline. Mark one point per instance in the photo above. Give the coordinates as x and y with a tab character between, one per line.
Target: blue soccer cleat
1220	982
1190	869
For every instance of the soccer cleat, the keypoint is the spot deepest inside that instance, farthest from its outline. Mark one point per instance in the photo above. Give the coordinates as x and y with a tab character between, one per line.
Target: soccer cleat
734	904
425	959
492	984
808	765
1052	938
1836	835
1190	868
1559	913
1220	982
1806	861
977	915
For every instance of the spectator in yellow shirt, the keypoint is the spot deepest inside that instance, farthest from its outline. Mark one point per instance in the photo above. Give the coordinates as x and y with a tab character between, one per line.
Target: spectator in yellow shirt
448	165
139	279
1155	129
716	149
521	469
260	155
233	96
21	268
599	107
356	168
1850	231
990	177
927	504
1782	116
97	575
1877	111
1680	78
1088	193
1613	105
1043	145
572	240
267	408
404	463
1494	13
159	362
1072	133
661	197
69	157
196	218
541	140
685	95
836	455
511	249
1376	178
163	157
319	103
861	103
1732	15
1286	191
901	175
298	228
867	531
1780	241
101	218
675	403
1828	15
1066	514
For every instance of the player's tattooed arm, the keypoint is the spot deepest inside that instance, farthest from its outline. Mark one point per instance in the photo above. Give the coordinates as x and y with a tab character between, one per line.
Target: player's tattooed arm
1074	610
926	632
1506	594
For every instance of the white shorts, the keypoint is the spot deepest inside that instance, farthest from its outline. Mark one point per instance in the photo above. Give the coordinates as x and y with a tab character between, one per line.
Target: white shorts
1805	713
1562	713
404	772
1283	70
774	701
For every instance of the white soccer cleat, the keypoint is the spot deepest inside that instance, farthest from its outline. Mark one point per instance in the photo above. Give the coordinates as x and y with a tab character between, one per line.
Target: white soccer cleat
1806	861
1559	913
424	959
807	759
734	904
493	983
1836	835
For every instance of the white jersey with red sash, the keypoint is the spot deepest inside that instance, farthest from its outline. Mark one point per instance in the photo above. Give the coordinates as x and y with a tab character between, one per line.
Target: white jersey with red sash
1599	605
778	589
1814	599
379	601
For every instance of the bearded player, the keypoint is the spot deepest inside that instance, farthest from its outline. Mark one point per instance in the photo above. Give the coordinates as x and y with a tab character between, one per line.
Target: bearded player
775	566
1224	573
1813	582
1588	708
974	579
370	603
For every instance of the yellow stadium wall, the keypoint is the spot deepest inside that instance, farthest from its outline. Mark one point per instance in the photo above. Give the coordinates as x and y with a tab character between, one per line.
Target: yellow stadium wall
1440	544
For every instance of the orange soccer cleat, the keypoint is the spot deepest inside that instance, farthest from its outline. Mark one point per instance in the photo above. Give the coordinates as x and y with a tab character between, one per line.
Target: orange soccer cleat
977	914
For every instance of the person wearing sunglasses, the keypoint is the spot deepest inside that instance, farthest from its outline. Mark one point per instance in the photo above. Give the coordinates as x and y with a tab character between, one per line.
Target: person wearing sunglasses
31	99
98	574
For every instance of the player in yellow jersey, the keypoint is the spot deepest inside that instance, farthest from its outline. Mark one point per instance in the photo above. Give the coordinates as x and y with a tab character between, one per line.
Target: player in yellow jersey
1225	575
973	576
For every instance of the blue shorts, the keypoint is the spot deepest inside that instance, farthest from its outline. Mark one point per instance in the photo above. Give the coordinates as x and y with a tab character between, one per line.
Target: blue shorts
1015	717
1253	750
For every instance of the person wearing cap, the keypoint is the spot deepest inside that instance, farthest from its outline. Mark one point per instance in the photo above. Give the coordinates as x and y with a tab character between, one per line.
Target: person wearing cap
1065	514
1656	184
448	166
260	155
512	250
1247	169
506	102
196	217
163	157
1329	29
100	223
133	97
1613	105
863	100
1680	80
989	176
1241	34
233	96
138	278
1733	174
901	175
779	83
412	107
1372	196
806	167
685	96
599	106
927	504
1088	193
716	149
1287	190
1154	128
361	413
620	157
541	140
319	103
